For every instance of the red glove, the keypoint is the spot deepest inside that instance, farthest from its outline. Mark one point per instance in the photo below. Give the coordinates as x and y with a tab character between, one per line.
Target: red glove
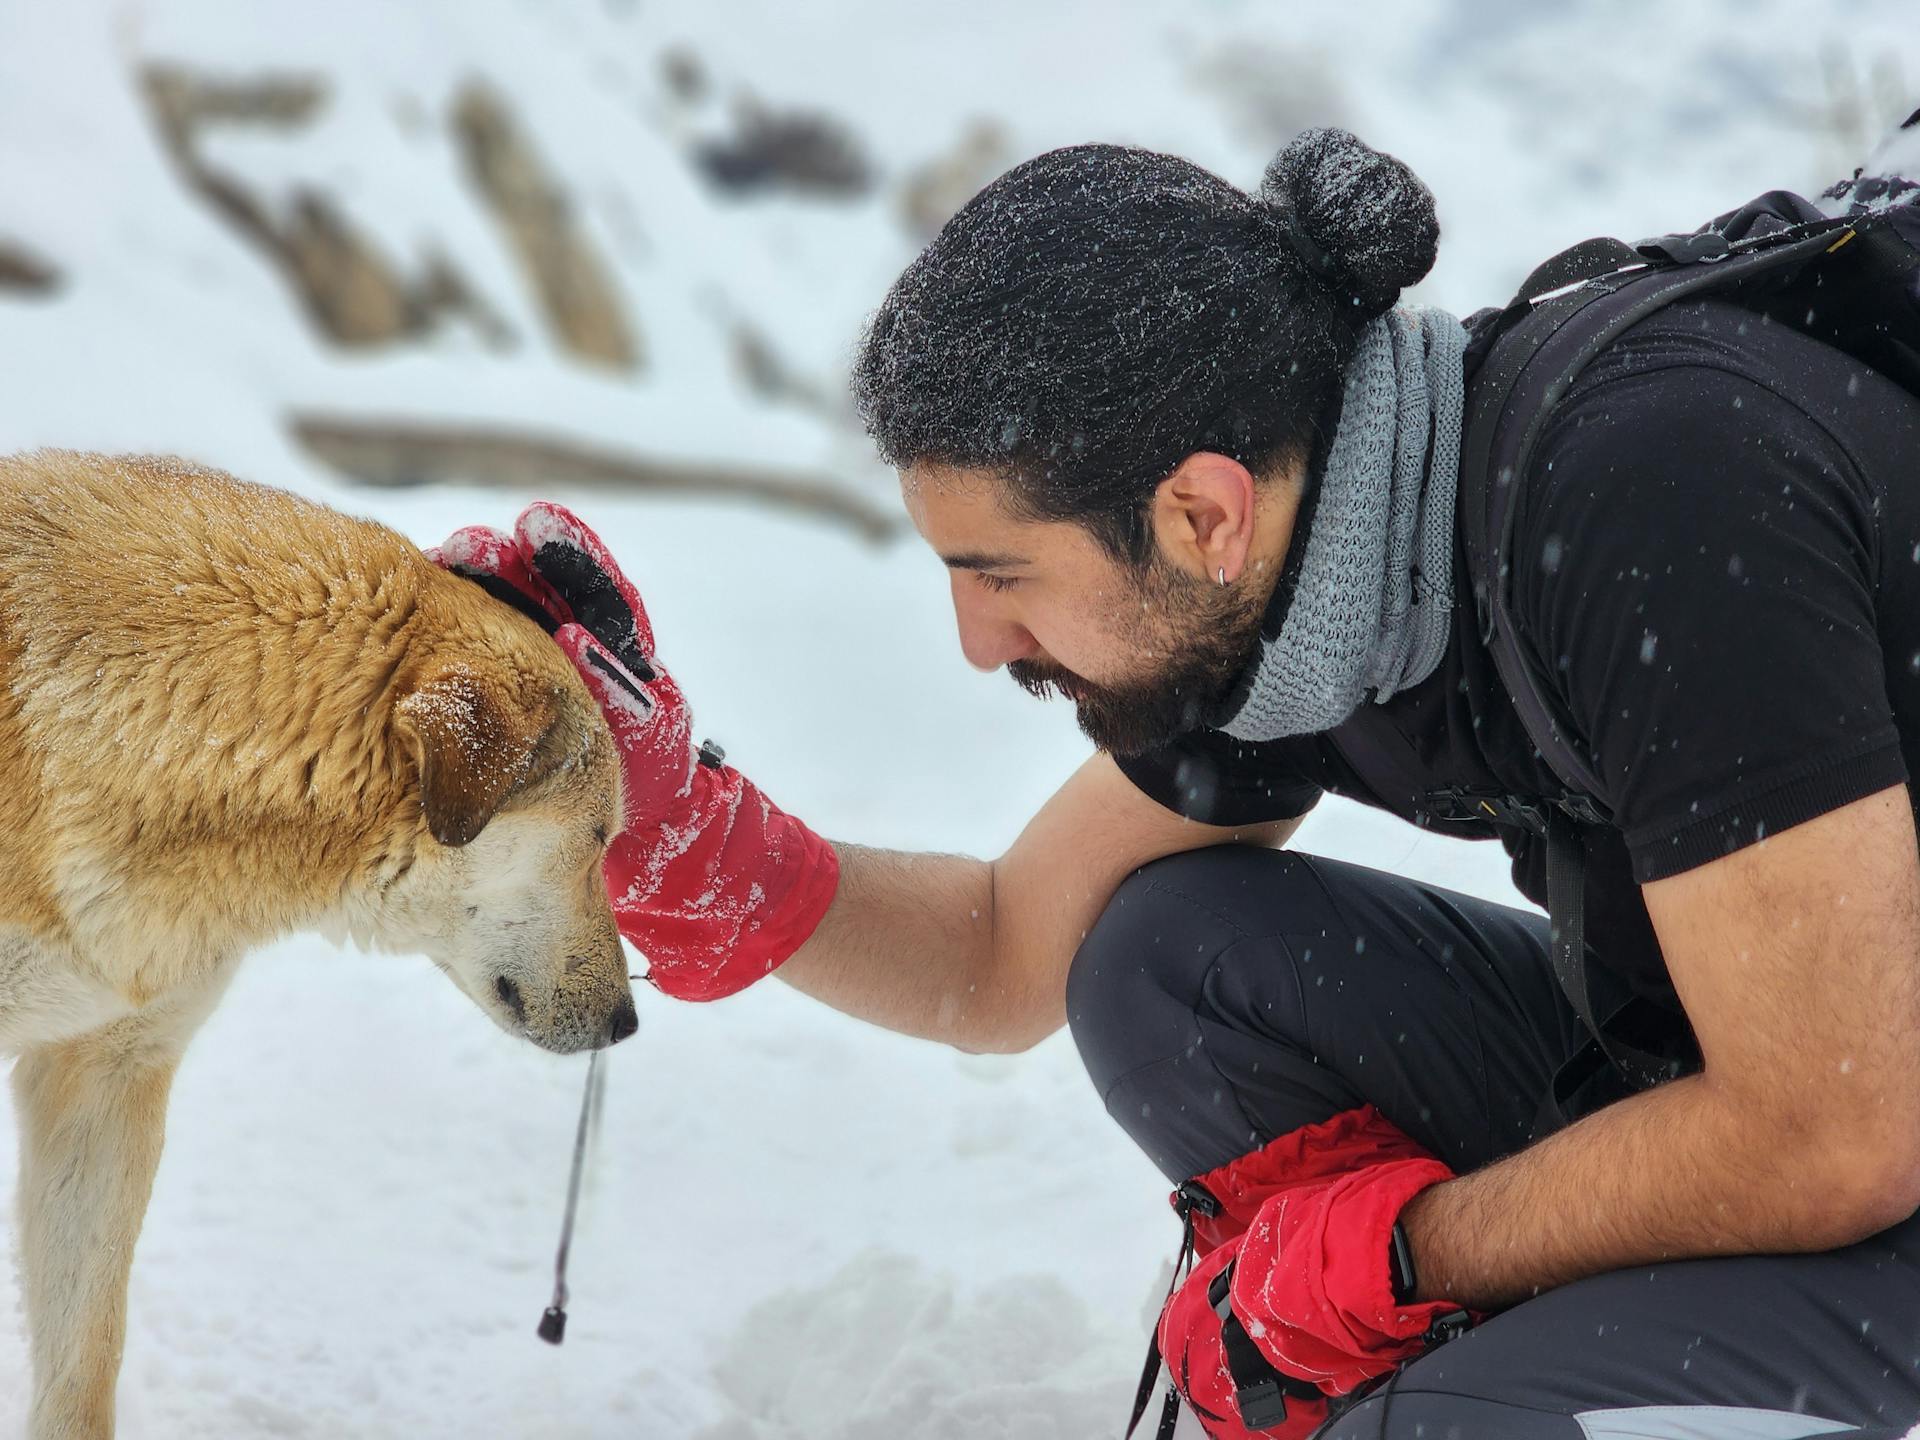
1193	1341
709	879
1296	1288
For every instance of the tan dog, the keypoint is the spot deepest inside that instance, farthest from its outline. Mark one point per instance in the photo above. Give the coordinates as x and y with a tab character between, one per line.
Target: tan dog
229	714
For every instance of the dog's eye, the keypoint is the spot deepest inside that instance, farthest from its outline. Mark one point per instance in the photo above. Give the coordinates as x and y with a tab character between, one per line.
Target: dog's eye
472	910
599	834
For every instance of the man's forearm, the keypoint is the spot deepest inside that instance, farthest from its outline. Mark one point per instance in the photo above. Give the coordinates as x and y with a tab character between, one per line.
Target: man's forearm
907	944
976	953
1675	1172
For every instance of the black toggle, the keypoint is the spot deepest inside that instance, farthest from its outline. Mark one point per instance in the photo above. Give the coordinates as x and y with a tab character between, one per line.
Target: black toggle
1449	1326
1192	1196
711	755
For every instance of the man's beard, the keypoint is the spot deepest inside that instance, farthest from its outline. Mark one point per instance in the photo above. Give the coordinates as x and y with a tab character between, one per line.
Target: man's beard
1193	640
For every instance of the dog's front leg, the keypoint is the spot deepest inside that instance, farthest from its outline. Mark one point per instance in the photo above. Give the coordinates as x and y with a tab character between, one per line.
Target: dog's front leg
92	1112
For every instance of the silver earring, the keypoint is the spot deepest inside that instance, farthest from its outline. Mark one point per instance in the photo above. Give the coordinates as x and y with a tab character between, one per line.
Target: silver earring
1223	574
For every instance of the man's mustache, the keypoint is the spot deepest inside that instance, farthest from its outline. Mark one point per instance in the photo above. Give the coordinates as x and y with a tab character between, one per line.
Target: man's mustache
1040	680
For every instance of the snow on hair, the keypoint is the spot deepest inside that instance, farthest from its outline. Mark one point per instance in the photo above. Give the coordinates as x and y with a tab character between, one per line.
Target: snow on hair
1100	312
1367	210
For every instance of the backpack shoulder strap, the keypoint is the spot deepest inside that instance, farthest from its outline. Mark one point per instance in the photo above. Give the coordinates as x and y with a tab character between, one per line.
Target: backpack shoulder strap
1541	345
1533	351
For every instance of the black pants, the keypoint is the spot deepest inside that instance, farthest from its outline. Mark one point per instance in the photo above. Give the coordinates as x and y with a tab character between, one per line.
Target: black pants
1230	995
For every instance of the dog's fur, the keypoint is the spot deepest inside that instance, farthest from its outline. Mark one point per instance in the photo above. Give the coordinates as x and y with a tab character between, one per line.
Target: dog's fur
228	714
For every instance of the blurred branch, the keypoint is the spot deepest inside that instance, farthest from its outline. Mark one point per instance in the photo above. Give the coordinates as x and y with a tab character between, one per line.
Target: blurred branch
353	294
798	151
21	269
574	288
405	452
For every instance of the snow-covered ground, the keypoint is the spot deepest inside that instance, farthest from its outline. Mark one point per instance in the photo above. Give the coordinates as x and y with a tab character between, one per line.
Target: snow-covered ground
796	1225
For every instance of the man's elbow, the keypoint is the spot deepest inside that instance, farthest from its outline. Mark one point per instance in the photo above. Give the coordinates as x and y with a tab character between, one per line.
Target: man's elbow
1886	1187
1011	1036
1863	1179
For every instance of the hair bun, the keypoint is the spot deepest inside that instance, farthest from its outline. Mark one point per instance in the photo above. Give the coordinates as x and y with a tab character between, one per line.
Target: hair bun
1369	212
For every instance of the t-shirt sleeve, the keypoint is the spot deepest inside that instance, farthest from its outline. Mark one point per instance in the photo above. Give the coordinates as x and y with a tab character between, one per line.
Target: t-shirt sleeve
1696	564
1209	776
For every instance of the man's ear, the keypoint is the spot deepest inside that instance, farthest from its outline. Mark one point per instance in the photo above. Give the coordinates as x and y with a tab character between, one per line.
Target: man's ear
1203	514
475	742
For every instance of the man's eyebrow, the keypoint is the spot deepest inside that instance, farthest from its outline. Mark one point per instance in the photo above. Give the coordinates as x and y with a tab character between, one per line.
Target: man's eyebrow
982	560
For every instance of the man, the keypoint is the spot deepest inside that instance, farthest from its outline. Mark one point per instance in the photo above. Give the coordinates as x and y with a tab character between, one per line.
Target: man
1190	467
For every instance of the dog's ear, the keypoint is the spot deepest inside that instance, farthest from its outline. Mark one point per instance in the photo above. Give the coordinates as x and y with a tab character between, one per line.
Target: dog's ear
475	742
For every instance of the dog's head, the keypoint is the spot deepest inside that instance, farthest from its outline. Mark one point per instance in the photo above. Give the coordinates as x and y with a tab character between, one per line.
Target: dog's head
517	793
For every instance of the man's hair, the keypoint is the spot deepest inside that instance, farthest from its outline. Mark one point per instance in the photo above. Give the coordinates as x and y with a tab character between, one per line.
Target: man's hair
1099	313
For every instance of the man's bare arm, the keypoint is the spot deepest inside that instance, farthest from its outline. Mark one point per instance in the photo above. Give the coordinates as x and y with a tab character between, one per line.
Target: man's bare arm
974	952
1798	960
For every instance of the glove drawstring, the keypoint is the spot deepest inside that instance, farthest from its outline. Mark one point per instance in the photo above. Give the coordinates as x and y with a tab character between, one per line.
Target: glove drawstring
1189	1198
553	1321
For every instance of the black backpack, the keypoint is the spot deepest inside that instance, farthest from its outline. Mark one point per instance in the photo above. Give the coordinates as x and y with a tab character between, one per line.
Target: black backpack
1850	279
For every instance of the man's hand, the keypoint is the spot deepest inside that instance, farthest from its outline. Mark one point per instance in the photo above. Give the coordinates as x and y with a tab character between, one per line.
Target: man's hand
711	881
1798	960
1295	1299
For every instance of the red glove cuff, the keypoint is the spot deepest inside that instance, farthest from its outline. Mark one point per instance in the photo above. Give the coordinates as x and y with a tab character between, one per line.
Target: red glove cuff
748	924
1334	1146
1314	1284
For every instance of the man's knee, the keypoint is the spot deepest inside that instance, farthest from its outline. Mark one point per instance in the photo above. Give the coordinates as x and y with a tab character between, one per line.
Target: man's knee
1231	994
1143	999
1137	976
1115	962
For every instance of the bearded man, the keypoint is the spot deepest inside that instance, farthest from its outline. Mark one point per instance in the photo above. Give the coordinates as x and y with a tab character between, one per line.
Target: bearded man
1193	468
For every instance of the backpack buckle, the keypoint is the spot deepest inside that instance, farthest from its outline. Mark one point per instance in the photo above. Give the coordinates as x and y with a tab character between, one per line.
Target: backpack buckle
1583	809
1497	807
1702	248
1490	807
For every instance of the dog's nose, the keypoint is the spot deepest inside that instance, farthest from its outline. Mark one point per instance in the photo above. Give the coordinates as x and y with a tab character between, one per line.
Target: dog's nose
625	1021
509	996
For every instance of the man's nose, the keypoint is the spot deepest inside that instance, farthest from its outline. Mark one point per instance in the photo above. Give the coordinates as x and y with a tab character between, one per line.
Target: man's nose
989	640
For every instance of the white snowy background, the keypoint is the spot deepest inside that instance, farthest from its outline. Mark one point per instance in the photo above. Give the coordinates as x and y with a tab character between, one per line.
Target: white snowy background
796	1225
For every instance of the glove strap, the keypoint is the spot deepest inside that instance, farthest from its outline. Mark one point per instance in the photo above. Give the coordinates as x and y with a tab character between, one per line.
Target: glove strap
1259	1390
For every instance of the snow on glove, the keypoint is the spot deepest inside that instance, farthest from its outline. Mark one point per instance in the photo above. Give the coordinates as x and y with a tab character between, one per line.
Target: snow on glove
1295	1299
709	879
1193	1337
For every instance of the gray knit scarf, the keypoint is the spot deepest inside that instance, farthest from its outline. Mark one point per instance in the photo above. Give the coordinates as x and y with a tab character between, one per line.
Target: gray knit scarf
1370	607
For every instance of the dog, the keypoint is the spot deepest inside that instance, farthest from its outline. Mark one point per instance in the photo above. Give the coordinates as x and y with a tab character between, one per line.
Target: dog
227	714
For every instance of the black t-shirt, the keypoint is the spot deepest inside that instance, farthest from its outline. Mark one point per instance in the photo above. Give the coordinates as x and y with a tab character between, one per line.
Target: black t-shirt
1717	553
